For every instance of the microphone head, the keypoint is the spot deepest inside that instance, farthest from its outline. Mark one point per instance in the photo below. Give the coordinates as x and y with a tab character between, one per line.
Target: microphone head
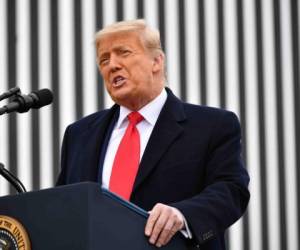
43	97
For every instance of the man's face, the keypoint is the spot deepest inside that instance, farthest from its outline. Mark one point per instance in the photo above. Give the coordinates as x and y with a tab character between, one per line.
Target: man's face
129	70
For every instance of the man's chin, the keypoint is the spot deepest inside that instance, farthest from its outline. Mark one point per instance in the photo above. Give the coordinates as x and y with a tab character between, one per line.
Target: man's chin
122	99
129	102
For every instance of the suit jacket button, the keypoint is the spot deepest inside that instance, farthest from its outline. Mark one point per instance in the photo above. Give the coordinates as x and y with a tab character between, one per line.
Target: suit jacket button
207	235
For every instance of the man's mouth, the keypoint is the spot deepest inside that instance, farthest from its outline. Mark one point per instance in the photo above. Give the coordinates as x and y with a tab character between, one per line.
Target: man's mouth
118	81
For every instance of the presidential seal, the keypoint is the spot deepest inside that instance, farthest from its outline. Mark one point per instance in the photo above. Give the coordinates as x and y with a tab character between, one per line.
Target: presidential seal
13	235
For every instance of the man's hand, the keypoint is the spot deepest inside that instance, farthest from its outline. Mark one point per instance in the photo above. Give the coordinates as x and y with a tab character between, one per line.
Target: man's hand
164	221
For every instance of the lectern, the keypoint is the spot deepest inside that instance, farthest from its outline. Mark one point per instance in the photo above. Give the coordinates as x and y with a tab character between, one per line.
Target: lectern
81	217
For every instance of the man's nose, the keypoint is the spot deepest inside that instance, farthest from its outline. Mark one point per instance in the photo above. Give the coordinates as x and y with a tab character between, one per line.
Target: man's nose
114	63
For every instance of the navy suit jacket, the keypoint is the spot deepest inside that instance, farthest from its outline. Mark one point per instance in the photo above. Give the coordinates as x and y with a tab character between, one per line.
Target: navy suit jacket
192	162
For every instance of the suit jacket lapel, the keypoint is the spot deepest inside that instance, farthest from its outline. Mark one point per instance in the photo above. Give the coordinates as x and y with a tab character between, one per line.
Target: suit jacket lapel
166	130
93	144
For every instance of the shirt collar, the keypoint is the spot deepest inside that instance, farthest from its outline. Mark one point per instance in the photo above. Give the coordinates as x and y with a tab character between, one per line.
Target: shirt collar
150	112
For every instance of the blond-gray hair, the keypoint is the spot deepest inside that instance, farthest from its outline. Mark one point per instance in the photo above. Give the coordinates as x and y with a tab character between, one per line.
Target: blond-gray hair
149	36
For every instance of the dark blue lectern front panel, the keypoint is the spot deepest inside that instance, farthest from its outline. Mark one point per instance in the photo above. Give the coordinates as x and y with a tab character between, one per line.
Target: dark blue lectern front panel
80	217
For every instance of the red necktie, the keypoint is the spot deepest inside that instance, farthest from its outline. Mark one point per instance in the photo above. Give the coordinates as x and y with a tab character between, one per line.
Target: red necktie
127	159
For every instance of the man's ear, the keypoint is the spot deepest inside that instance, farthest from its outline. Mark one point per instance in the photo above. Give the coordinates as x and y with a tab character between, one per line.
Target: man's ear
158	63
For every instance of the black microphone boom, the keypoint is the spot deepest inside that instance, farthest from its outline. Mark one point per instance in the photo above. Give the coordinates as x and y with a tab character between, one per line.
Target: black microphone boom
10	93
22	103
18	185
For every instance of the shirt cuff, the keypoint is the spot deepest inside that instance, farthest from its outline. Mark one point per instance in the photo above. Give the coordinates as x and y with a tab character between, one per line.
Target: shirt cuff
186	232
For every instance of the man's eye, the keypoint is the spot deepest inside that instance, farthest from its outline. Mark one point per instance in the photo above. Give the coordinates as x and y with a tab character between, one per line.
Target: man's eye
104	61
125	52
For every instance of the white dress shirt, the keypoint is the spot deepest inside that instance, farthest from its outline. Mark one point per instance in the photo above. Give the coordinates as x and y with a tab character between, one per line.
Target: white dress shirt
150	112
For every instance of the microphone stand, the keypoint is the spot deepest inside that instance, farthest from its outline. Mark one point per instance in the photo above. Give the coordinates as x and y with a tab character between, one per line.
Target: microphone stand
13	180
9	93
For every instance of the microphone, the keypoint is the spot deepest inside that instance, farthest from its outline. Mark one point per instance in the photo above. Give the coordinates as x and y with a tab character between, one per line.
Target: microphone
35	100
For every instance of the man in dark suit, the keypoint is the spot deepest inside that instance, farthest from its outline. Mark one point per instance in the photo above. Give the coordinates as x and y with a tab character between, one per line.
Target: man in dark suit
181	162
